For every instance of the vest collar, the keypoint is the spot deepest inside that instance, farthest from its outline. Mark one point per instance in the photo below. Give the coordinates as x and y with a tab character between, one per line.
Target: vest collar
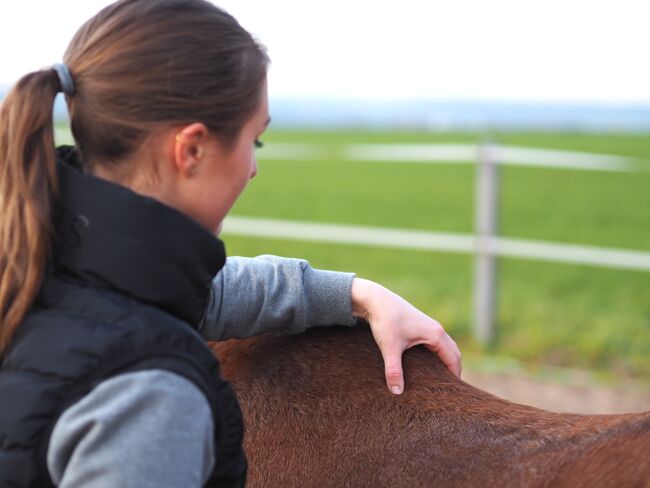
111	237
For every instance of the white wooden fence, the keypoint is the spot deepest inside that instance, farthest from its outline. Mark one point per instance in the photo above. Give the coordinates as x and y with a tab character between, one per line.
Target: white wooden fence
484	244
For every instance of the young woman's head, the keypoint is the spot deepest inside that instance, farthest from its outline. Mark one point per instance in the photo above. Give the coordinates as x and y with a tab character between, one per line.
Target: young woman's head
169	98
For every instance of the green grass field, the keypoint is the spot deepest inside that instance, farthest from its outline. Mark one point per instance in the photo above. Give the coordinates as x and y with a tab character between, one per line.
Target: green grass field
549	314
553	314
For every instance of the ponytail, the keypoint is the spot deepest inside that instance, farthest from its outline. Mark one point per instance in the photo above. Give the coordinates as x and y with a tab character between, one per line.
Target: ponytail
28	183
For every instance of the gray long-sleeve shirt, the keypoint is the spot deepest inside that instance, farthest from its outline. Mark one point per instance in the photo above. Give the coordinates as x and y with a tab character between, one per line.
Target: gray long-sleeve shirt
128	429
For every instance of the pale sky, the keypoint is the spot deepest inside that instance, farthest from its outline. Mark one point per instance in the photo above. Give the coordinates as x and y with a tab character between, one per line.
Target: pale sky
559	50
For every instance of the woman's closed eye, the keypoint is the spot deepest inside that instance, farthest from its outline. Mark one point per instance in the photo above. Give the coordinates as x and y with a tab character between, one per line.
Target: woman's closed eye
258	144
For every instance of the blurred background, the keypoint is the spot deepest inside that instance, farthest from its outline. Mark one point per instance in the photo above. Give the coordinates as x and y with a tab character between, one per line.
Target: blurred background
488	161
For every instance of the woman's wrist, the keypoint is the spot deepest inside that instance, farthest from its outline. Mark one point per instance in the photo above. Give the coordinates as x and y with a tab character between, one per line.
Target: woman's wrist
363	294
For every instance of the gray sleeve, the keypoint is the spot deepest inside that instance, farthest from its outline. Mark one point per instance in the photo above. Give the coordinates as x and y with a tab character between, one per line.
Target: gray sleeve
250	296
144	429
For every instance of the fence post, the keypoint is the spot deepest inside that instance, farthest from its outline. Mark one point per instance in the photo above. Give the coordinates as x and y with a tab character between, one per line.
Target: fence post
486	223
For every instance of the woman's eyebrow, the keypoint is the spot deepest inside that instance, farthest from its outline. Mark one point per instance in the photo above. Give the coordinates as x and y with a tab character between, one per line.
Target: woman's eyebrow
268	121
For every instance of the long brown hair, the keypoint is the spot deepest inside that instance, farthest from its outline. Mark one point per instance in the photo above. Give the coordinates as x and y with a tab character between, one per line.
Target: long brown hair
138	66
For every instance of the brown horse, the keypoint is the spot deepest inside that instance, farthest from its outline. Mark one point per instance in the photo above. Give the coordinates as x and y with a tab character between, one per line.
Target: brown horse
318	414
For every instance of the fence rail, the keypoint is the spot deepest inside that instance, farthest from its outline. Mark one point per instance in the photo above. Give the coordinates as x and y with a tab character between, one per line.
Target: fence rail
436	241
455	153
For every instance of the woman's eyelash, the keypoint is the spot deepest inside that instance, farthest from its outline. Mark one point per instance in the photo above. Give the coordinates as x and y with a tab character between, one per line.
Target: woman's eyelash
258	144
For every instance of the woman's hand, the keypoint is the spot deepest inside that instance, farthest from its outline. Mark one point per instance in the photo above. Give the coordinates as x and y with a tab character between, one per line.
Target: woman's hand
396	326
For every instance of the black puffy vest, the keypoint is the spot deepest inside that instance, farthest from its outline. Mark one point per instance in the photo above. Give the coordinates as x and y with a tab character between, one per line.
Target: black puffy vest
128	277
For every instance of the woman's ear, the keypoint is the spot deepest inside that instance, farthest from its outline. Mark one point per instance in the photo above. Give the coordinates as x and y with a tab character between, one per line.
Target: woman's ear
190	144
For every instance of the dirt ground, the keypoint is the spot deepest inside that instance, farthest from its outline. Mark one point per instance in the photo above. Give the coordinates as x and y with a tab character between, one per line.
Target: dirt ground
578	393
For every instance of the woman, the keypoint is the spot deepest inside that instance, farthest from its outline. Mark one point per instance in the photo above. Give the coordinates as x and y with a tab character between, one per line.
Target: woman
110	271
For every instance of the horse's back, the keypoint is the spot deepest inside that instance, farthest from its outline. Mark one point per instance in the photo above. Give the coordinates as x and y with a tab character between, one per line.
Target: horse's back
318	414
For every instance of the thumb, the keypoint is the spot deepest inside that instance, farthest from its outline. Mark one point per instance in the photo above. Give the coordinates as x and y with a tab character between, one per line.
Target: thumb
393	369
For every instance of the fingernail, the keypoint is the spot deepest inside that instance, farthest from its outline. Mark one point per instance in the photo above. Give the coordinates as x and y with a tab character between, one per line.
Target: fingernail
396	390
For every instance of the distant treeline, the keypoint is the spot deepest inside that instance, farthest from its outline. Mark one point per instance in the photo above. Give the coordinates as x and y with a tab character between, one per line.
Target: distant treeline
445	115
